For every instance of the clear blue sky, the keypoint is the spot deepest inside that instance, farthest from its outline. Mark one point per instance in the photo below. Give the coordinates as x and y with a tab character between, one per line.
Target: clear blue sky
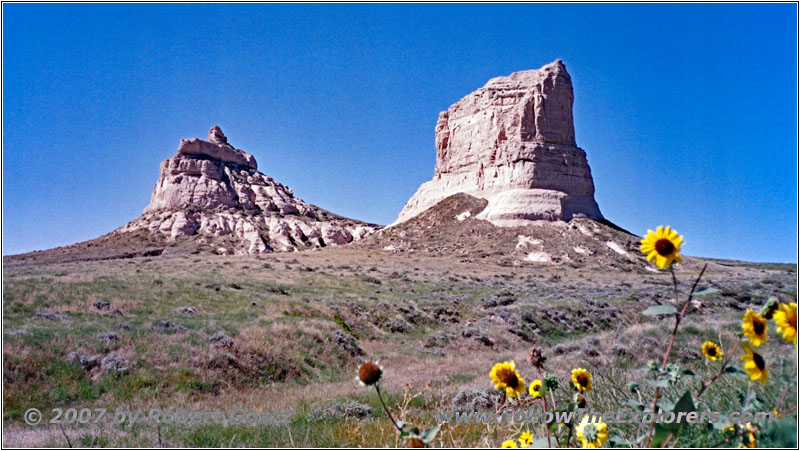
688	113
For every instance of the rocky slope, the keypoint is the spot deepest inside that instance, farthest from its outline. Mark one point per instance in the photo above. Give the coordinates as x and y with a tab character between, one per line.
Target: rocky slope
210	189
454	227
512	142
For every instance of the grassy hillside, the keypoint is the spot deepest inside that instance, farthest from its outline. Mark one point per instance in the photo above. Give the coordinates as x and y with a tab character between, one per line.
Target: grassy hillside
288	331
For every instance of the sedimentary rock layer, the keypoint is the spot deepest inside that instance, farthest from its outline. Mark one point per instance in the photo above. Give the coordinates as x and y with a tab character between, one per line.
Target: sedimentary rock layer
211	190
512	142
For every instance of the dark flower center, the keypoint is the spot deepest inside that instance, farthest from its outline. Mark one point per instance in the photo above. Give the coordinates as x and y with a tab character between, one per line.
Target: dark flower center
582	380
369	373
508	377
712	351
664	247
758	326
759	361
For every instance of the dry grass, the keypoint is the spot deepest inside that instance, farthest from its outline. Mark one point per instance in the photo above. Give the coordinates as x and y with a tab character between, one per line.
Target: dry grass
282	311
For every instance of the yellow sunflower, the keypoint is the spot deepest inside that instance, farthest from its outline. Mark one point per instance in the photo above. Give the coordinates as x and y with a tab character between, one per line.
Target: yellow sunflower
505	377
754	364
591	434
754	327
525	439
711	350
662	246
786	320
581	379
536	389
509	444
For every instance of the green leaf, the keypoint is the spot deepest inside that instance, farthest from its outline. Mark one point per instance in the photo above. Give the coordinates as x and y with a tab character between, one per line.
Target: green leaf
666	406
663	430
734	370
660	433
685	404
616	441
635	404
769	307
659	310
540	443
755	403
663	383
429	434
688	372
750	401
781	433
651	365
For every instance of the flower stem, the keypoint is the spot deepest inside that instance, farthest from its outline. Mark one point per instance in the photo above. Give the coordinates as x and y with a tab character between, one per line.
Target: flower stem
571	424
678	317
546	426
386	409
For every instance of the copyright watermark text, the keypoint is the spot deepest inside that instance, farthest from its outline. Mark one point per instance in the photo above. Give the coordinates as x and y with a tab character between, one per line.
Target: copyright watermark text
128	417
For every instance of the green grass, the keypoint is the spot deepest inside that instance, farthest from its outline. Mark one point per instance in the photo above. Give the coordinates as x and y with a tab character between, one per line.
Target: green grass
284	343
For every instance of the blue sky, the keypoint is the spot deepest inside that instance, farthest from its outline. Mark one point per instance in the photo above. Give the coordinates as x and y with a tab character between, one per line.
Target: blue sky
687	113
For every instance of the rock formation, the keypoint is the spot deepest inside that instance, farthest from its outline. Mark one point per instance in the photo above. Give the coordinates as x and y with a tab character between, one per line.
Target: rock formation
512	142
213	192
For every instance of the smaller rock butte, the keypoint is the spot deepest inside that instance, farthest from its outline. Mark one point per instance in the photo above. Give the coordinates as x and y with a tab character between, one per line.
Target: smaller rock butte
210	189
512	142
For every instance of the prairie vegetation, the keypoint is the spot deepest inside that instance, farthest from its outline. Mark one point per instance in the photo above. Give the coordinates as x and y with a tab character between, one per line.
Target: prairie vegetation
289	331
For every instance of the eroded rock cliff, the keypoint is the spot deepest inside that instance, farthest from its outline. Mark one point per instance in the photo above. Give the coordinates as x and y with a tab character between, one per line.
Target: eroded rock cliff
211	190
512	142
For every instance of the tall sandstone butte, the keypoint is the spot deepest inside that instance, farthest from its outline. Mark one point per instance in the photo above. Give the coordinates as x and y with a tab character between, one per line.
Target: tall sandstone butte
213	193
512	142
